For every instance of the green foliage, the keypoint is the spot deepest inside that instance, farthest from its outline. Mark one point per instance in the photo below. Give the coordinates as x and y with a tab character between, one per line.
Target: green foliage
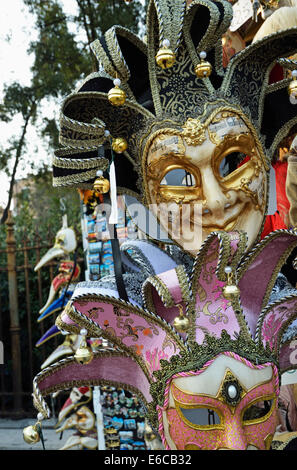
40	207
97	17
17	99
58	62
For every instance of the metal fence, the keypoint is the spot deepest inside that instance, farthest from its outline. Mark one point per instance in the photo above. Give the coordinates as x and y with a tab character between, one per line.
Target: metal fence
23	293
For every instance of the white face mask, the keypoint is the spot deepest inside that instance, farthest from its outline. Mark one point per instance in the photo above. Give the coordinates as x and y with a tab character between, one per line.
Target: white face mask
207	179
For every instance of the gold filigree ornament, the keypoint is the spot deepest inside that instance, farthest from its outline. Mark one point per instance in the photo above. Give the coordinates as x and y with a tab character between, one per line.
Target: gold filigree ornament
194	132
231	391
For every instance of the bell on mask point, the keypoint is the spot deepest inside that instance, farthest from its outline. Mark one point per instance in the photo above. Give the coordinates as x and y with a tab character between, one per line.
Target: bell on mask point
116	96
181	323
101	184
165	57
31	434
204	68
83	354
119	145
230	290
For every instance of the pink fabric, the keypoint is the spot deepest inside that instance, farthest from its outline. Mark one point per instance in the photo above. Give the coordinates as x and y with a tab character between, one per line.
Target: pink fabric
115	369
213	311
274	322
171	280
144	337
66	319
262	267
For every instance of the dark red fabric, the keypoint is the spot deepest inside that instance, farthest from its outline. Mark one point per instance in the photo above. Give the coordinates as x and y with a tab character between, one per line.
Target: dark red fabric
276	74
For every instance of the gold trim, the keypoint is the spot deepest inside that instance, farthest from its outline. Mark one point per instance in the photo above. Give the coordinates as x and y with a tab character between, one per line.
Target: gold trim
75	179
200	427
81	163
162	290
272	397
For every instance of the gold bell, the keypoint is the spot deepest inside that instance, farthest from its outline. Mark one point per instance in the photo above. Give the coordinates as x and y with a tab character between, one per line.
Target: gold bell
84	354
181	323
292	88
31	434
165	57
119	145
204	68
116	96
101	184
230	290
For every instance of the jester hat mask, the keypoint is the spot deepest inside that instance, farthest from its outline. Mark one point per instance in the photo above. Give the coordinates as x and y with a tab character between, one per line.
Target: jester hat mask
194	141
214	386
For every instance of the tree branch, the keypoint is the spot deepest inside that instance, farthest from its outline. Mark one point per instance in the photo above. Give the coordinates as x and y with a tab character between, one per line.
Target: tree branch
17	158
91	36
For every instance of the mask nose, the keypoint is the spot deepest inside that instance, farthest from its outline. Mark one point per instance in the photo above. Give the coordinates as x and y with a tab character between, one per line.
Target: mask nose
216	202
234	437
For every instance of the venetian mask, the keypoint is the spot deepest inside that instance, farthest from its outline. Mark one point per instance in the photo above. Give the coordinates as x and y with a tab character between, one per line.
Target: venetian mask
228	405
207	177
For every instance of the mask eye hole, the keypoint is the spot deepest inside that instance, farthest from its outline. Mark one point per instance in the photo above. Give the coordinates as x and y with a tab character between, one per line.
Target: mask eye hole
258	410
178	177
201	416
60	240
231	162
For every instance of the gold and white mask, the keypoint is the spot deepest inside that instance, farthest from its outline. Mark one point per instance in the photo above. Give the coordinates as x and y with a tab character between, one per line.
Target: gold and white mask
207	177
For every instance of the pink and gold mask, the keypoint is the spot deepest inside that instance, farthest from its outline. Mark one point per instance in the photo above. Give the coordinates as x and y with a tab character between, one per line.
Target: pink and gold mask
207	177
230	404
